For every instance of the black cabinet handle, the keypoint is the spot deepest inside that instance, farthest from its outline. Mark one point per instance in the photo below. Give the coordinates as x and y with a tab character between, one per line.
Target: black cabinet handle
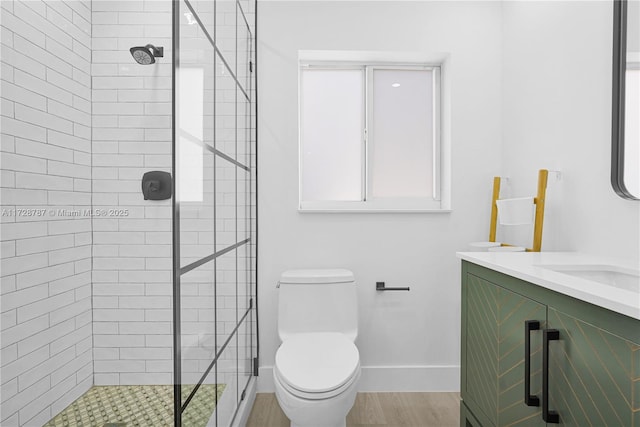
529	399
548	416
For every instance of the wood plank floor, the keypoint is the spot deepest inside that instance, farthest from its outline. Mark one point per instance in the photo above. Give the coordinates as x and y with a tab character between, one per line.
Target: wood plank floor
375	410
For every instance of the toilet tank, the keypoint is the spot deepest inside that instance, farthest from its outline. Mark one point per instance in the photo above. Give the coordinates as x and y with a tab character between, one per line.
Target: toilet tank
317	301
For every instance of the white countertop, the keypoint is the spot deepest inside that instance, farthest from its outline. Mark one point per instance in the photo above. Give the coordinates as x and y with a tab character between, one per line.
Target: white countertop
527	266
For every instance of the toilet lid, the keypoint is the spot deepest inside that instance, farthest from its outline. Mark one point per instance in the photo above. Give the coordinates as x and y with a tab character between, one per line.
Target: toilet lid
317	362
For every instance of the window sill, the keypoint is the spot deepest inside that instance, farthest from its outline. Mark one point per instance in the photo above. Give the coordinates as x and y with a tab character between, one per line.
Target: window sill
375	211
373	207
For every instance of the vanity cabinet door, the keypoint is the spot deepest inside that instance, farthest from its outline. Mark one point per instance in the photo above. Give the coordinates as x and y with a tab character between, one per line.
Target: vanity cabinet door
594	375
494	351
482	348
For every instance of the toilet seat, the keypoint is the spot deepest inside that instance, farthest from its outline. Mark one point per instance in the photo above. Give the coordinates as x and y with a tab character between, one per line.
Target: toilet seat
317	365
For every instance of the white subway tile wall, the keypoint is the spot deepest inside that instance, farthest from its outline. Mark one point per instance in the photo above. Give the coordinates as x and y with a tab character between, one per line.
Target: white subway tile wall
86	262
132	265
47	359
132	255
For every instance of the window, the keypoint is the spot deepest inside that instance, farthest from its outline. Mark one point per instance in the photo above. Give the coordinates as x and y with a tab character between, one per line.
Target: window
369	137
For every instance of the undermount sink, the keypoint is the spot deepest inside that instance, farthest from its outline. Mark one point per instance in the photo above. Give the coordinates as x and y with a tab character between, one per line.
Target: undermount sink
623	278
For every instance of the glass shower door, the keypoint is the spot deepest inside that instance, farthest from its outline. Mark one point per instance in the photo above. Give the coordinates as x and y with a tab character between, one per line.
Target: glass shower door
214	280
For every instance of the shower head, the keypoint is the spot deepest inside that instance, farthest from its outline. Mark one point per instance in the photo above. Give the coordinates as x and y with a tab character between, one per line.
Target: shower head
145	55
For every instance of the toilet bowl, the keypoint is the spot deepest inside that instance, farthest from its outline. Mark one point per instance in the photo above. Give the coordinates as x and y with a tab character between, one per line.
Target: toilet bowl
316	377
317	366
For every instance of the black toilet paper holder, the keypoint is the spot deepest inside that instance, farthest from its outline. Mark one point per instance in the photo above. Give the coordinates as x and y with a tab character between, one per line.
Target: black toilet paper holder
380	286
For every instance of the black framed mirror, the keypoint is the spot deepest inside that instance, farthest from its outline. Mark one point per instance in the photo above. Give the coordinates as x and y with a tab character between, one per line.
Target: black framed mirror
625	141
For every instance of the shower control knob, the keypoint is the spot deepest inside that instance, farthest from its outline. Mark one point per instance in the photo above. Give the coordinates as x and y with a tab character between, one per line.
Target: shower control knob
156	185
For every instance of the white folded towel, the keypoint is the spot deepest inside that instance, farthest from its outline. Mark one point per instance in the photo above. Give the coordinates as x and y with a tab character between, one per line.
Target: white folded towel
515	211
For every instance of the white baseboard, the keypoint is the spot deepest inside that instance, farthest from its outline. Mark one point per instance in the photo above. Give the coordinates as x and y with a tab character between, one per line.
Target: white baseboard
390	378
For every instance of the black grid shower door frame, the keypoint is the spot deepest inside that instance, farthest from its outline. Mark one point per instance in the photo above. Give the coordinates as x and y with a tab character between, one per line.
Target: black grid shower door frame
178	270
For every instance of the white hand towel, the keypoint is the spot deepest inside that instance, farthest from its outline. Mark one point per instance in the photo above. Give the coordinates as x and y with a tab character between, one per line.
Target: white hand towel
515	211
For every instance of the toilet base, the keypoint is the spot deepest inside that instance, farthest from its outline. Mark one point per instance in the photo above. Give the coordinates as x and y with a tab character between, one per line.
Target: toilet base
341	424
331	412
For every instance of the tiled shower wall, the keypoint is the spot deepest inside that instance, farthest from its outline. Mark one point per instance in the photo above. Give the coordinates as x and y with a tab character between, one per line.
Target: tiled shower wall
132	243
81	124
132	291
46	192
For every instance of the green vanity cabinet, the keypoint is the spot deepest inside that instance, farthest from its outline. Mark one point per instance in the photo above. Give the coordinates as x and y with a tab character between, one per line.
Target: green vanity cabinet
595	374
494	350
593	371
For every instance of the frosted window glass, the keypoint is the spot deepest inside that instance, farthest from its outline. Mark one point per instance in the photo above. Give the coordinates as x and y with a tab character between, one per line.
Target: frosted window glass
332	123
402	134
191	115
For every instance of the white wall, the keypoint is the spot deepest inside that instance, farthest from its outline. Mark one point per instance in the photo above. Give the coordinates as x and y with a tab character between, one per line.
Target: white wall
415	334
557	115
46	164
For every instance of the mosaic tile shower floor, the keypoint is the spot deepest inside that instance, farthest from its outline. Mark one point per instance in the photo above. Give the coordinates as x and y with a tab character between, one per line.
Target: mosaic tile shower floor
137	406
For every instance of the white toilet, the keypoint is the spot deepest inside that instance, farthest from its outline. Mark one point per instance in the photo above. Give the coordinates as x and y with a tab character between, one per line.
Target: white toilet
317	365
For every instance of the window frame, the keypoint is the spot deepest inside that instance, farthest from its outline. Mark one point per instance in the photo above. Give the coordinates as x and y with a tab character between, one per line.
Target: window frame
368	203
